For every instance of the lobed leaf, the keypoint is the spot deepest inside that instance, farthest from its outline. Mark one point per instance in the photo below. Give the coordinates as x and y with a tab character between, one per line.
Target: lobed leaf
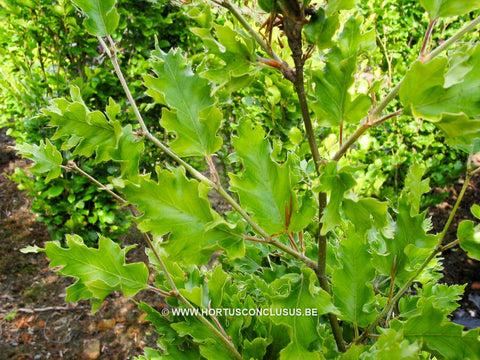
178	206
448	95
46	157
99	271
192	115
299	291
352	280
439	336
334	103
266	188
469	236
232	65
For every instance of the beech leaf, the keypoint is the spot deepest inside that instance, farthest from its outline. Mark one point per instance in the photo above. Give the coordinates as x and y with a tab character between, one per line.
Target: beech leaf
352	287
192	116
46	156
99	271
265	187
178	206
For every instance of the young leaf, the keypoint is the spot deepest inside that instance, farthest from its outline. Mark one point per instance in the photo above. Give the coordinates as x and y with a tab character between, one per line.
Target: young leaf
352	287
409	247
178	206
335	104
265	187
231	68
336	5
321	29
449	8
102	16
415	187
393	346
336	182
192	116
99	271
46	156
210	346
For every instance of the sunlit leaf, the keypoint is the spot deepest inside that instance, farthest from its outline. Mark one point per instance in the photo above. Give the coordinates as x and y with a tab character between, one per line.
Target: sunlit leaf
102	16
266	188
99	271
192	116
178	206
46	157
449	8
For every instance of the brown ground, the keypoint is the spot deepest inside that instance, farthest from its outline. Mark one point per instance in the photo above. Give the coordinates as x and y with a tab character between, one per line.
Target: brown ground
36	323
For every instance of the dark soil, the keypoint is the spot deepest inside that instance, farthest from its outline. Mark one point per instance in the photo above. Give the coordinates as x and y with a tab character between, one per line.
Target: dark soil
36	323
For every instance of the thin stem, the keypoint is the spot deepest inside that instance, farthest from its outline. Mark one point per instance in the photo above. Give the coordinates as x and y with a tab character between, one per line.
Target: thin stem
160	291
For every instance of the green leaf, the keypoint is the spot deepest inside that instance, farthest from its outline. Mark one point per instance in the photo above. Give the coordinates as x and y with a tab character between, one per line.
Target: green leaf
439	336
393	346
449	97
335	182
469	236
353	40
366	213
266	188
300	291
475	209
321	29
102	16
415	187
210	345
255	349
128	152
231	66
89	132
409	247
449	8
352	287
177	206
334	103
46	156
192	116
336	5
99	271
